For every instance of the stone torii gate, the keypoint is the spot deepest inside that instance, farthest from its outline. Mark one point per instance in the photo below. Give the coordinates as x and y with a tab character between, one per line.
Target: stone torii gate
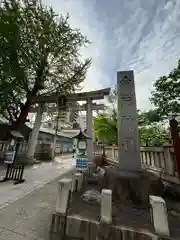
70	99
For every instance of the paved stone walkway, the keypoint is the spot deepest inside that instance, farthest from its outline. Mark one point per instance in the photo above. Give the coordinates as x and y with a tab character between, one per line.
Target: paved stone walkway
36	176
29	217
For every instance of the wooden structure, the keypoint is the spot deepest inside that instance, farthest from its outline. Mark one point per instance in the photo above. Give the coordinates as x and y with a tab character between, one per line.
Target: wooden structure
14	173
14	169
176	142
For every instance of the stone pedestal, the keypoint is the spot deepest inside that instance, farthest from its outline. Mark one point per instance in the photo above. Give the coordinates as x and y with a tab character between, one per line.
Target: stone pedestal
132	188
106	206
78	182
64	190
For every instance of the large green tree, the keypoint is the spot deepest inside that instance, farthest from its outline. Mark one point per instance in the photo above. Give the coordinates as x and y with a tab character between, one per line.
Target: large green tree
166	93
153	135
146	118
151	129
39	55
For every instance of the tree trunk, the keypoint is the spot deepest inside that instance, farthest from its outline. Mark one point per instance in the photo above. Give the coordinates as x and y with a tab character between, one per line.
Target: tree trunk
23	116
34	134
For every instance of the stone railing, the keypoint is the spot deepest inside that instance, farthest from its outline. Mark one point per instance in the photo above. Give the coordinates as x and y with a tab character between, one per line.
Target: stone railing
161	159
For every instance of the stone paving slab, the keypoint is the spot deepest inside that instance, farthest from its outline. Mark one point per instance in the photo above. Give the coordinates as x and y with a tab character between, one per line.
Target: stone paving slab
35	176
30	216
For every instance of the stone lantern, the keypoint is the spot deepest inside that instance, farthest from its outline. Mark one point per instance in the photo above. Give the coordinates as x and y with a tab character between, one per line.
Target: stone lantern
80	150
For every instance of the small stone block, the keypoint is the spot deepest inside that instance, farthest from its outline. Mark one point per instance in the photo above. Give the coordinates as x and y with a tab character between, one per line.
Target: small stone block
78	181
90	169
73	183
65	183
106	206
64	191
85	175
159	215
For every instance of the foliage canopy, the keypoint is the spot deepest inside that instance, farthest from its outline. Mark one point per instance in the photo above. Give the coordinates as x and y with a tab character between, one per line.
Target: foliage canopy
39	55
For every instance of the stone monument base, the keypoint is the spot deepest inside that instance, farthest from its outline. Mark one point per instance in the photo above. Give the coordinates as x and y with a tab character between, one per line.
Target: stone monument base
132	188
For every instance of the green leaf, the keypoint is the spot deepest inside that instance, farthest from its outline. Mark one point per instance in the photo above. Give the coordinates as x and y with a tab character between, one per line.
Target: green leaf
166	93
39	54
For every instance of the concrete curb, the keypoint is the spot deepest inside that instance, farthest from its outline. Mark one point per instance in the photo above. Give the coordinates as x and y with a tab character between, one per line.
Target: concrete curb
70	171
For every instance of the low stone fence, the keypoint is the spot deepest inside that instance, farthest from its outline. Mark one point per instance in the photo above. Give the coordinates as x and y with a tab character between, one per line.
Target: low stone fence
159	159
66	223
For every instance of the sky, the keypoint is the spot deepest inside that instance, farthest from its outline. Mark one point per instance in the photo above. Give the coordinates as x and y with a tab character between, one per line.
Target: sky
138	35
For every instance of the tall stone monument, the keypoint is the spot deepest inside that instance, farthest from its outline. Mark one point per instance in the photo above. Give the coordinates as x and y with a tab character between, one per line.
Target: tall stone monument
128	135
130	184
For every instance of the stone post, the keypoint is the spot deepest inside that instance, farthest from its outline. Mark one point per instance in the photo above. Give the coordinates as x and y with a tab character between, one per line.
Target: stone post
89	131
113	152
34	134
77	182
73	185
106	206
168	161
63	197
159	215
128	135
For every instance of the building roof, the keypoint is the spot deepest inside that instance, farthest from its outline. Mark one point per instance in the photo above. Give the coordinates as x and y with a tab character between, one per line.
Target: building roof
7	131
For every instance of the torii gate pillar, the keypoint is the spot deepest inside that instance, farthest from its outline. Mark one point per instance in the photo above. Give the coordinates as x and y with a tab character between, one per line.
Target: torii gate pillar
89	117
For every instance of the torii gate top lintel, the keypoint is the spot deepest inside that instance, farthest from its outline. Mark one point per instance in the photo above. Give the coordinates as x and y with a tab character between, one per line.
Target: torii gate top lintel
84	96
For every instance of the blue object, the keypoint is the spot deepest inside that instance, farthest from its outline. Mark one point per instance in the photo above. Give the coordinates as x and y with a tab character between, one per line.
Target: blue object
81	163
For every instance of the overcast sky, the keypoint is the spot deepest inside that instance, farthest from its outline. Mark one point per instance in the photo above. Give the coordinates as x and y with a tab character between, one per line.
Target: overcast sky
139	35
